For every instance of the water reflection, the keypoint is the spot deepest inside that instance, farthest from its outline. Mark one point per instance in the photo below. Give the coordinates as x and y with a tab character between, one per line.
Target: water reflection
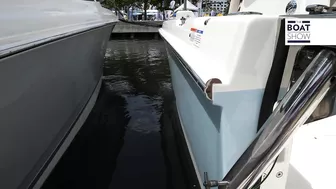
141	162
144	63
120	145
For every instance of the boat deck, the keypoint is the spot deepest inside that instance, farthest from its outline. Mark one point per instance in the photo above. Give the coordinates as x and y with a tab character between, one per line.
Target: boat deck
314	143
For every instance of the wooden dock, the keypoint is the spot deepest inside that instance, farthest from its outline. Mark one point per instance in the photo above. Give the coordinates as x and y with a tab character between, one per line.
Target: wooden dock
136	29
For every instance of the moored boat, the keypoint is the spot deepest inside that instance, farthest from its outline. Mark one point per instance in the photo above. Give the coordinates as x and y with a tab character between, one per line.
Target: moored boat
229	73
51	56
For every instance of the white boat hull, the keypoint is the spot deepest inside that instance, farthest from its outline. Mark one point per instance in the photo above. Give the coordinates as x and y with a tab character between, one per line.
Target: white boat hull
215	128
247	54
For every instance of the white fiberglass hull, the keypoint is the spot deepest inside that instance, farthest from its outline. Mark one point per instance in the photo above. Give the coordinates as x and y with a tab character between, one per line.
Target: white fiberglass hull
248	56
50	78
215	129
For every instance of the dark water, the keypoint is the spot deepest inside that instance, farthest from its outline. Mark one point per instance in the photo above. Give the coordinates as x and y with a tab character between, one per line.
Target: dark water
138	71
121	143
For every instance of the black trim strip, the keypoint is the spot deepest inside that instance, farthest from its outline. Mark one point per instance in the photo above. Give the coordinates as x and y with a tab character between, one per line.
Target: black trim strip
39	174
183	150
274	78
46	164
192	74
213	111
41	42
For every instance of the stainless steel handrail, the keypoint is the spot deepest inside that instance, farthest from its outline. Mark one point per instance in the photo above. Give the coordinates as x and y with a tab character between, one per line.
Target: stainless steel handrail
294	109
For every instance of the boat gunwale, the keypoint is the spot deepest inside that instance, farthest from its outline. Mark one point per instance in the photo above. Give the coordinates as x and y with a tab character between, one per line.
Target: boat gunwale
185	65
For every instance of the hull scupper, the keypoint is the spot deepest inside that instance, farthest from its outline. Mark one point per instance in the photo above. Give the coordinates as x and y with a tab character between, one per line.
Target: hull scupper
234	52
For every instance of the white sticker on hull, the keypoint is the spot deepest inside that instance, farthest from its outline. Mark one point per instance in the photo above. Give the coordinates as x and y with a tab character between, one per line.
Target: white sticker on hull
196	36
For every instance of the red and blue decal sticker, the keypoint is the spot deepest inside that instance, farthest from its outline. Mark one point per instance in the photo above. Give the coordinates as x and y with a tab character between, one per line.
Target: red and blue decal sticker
196	30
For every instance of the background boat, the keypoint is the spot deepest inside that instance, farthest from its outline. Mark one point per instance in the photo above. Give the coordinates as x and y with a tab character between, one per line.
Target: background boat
51	55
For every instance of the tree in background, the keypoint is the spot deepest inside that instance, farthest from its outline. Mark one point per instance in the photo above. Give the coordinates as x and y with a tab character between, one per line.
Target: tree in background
108	4
126	4
145	7
118	5
161	5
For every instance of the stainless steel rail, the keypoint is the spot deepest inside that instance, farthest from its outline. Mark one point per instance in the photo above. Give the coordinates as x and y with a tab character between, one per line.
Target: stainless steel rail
294	109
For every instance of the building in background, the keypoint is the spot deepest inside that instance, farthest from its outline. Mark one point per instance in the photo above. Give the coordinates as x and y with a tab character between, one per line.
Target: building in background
219	5
216	5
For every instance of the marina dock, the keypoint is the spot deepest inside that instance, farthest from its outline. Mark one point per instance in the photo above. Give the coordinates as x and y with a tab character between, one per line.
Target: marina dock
132	29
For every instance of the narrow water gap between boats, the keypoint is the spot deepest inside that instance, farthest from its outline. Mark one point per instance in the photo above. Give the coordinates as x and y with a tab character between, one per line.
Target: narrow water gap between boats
123	143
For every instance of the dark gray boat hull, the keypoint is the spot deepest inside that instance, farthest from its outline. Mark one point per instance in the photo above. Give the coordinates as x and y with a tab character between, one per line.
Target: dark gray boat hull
44	92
